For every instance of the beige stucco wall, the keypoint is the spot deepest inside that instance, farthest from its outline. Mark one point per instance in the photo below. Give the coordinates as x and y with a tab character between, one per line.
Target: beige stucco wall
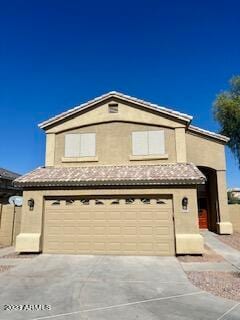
126	113
185	223
114	137
6	223
234	212
114	134
203	151
113	144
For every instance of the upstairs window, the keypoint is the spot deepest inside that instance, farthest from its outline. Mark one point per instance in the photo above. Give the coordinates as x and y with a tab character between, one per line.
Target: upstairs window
148	143
80	145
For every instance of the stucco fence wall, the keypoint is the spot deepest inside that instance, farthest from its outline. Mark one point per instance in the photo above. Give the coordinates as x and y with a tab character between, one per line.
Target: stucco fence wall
9	227
234	213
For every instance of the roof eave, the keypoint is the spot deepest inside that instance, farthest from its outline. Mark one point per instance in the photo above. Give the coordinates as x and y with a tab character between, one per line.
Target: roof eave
110	183
212	135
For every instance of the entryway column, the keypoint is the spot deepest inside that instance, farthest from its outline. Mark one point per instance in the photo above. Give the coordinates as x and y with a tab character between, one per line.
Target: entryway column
224	226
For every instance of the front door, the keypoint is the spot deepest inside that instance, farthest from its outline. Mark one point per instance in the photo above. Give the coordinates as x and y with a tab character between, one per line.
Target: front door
202	213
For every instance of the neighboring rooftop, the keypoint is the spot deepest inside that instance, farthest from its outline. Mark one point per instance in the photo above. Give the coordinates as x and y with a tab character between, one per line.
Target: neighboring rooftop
9	175
177	173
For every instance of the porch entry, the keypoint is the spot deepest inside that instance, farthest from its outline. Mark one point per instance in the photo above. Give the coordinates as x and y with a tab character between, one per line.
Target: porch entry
208	201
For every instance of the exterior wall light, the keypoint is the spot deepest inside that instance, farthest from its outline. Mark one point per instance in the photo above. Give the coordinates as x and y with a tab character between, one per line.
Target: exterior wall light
185	203
31	204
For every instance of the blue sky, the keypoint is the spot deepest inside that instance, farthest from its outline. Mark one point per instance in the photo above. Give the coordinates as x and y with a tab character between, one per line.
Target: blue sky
58	54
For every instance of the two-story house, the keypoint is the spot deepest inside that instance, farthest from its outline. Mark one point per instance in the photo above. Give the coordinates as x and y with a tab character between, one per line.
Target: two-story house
124	176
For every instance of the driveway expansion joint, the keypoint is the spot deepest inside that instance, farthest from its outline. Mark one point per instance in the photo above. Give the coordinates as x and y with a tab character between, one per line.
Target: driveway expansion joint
120	305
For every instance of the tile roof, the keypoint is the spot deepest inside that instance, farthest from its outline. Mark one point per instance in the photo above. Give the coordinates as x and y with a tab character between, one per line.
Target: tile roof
178	173
115	94
208	133
9	175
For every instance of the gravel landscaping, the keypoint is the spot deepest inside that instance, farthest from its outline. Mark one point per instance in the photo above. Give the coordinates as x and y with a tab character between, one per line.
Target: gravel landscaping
208	256
223	284
232	240
5	268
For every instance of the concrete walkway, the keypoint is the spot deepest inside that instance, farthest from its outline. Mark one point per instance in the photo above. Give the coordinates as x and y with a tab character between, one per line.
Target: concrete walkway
228	253
108	288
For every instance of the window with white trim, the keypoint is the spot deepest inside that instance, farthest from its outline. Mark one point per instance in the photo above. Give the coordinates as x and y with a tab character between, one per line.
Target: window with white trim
148	143
80	145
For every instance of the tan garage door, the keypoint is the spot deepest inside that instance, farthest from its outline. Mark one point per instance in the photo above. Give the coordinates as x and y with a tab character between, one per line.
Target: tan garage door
128	226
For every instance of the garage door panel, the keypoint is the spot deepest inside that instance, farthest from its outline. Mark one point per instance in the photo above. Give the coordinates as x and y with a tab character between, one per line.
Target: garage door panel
83	230
114	230
163	247
146	223
162	216
129	223
54	230
68	245
146	230
129	246
161	230
99	223
81	216
101	230
99	246
68	230
146	215
130	215
82	245
146	246
113	215
99	216
134	226
53	246
113	246
66	237
129	230
54	223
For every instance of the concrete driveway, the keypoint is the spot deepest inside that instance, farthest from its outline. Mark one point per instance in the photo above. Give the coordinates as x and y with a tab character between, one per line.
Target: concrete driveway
108	288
